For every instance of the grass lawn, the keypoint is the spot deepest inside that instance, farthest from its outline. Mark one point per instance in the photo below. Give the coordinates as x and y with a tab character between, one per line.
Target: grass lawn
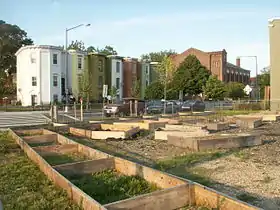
109	186
23	185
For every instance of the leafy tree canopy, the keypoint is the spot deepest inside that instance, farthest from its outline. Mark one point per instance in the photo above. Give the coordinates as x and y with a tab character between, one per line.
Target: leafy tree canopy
165	70
214	88
136	89
190	76
154	91
107	50
157	56
264	80
12	37
235	90
76	45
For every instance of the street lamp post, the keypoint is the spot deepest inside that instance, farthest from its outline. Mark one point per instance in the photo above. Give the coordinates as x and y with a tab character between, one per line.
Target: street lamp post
256	63
66	61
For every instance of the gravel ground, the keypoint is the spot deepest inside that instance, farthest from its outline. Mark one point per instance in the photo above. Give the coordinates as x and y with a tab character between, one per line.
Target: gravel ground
250	174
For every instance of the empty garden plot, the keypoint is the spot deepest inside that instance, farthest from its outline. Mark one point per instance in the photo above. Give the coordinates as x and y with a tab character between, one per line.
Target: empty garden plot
102	183
143	124
105	131
215	141
180	130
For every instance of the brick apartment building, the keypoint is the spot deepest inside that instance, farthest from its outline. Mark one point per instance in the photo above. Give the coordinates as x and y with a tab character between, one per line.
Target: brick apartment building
216	63
130	75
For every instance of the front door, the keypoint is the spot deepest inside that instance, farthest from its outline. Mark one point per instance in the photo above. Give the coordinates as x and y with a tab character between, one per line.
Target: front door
33	100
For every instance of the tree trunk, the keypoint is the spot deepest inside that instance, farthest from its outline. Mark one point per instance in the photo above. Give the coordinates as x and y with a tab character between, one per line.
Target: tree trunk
87	102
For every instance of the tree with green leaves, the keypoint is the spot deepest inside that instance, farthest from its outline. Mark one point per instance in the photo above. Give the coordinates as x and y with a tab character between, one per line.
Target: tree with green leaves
136	89
154	91
235	90
158	56
165	70
85	86
214	88
113	93
263	80
190	76
107	50
77	45
12	37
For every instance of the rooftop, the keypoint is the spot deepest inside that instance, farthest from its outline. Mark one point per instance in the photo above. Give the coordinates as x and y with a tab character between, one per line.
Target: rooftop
49	47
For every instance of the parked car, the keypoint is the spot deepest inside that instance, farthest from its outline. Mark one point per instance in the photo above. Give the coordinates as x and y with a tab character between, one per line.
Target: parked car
157	107
123	109
193	105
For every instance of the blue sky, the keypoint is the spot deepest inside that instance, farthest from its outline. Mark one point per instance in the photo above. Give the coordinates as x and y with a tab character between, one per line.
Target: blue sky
136	27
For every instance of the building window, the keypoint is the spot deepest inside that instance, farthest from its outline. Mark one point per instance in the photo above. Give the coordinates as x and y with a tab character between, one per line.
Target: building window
118	66
100	65
55	98
117	83
54	57
34	81
147	70
80	62
55	80
100	81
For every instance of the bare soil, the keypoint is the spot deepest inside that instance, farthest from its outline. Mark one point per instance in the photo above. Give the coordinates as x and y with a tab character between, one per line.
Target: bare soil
250	174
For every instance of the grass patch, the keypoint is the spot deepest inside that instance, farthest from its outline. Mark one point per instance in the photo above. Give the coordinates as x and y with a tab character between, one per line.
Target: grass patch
109	186
57	159
39	144
188	159
236	112
246	197
242	155
23	185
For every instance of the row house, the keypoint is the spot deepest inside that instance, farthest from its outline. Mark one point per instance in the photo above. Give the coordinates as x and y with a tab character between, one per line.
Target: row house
216	63
42	76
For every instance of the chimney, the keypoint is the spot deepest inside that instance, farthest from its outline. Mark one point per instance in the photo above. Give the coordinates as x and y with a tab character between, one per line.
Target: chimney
238	61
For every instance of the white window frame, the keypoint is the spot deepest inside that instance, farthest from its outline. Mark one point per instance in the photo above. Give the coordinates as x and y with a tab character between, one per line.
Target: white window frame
34	81
53	58
55	76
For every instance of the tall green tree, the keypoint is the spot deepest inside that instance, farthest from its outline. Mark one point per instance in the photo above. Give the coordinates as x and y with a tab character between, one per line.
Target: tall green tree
263	80
235	90
154	91
113	93
12	37
214	88
85	86
190	76
136	89
157	56
76	45
165	70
